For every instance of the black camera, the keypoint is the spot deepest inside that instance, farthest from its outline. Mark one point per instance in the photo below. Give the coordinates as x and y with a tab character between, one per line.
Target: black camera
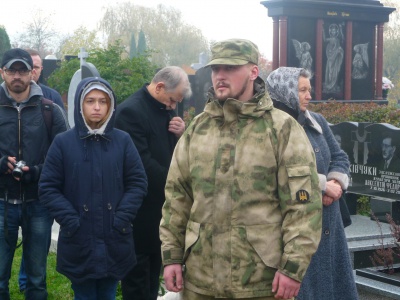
17	172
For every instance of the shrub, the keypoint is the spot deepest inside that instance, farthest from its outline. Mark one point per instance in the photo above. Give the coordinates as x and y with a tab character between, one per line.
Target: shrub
124	74
337	112
385	255
363	206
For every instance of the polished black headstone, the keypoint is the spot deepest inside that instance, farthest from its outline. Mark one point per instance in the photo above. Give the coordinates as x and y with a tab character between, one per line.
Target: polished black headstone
200	85
374	153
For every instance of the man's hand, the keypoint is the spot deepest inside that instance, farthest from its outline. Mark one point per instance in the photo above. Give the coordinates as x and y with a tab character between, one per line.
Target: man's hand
173	277
7	164
285	287
176	126
31	174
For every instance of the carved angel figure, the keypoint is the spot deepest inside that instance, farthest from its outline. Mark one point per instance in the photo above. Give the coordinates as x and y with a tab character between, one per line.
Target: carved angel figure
334	58
360	61
303	54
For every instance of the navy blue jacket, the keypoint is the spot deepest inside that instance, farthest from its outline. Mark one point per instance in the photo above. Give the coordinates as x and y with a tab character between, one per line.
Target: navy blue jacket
52	94
24	135
93	185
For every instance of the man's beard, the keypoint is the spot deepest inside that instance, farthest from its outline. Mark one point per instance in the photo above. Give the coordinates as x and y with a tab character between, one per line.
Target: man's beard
237	95
18	89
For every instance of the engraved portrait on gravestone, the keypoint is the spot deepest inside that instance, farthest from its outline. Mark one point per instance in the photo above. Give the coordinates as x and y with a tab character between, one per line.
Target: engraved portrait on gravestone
345	135
390	162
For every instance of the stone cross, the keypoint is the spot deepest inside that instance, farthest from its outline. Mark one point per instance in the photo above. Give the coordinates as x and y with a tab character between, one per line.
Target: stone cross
86	70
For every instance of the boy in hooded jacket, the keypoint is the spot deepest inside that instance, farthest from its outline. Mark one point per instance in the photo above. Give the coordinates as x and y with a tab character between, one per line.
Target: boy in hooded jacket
93	183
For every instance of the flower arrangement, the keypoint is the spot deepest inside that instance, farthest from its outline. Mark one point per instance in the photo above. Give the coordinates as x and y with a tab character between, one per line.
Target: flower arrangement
386	84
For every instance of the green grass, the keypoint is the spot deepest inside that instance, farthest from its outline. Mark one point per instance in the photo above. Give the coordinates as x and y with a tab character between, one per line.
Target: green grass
58	286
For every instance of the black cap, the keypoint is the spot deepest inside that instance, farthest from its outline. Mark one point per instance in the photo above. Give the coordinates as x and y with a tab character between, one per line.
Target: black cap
14	55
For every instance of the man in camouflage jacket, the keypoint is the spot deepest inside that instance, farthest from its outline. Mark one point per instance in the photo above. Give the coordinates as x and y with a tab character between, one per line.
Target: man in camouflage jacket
242	216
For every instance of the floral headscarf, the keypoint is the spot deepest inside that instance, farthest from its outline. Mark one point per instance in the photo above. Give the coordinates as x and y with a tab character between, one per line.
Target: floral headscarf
283	87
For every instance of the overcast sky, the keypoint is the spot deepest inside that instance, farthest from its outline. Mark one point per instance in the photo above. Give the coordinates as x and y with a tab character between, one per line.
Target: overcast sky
218	19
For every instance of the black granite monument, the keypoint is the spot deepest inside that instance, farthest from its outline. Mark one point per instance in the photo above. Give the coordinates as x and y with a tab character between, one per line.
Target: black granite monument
339	41
374	153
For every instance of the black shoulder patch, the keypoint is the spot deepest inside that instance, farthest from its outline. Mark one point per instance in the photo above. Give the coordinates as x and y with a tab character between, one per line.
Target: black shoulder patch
302	196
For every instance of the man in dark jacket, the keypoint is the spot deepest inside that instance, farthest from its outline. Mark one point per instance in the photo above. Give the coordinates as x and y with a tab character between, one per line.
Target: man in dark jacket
48	92
148	116
24	141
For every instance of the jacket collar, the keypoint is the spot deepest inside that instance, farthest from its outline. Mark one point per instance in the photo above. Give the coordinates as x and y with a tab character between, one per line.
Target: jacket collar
312	123
34	90
234	109
157	105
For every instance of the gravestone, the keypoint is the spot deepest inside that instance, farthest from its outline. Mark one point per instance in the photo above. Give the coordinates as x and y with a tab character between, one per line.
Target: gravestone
339	41
49	66
374	154
201	82
86	70
203	59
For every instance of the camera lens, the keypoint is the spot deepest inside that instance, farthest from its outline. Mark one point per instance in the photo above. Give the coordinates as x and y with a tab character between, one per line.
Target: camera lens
17	173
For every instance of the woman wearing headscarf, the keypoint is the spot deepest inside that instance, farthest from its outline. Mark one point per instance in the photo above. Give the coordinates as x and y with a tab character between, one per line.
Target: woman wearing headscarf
330	275
93	183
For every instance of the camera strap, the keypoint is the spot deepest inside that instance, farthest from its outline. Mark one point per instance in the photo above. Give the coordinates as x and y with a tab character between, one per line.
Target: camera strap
47	112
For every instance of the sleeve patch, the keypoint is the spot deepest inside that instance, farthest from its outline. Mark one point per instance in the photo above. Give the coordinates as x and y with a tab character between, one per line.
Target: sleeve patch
302	196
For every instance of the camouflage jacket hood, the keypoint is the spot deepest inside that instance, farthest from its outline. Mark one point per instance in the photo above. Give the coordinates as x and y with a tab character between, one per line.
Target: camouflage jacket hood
242	199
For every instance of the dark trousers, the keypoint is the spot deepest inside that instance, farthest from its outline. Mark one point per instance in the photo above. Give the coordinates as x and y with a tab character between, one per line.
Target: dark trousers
95	289
142	281
36	223
22	277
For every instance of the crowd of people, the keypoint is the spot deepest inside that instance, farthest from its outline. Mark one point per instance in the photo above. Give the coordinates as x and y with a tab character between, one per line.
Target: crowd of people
241	204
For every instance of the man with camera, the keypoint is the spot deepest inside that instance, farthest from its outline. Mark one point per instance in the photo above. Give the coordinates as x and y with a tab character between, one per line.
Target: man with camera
54	96
24	141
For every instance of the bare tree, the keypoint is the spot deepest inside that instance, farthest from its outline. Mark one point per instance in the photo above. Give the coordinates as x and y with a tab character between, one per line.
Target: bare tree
391	46
39	34
392	40
170	40
392	27
71	44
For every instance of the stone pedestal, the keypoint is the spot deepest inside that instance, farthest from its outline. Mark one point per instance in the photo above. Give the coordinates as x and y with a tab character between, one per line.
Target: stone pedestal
382	206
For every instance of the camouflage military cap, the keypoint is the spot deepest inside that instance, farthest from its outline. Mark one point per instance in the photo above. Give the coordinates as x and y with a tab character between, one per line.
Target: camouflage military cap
234	52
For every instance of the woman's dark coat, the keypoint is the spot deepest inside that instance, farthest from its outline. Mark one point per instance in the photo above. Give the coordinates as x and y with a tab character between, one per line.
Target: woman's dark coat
93	185
329	275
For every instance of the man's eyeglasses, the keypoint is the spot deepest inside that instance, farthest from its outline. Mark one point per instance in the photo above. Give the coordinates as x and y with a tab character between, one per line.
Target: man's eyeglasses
21	72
